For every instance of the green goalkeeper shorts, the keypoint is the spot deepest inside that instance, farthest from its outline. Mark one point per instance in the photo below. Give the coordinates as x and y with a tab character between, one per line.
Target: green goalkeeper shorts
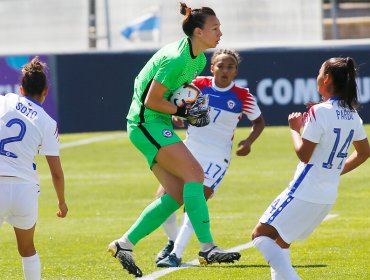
149	137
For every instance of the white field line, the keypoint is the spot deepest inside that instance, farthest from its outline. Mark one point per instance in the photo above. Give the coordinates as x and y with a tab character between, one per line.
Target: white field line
90	140
160	273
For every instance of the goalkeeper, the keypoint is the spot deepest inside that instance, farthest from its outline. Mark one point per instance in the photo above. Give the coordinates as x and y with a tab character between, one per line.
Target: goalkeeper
211	145
150	129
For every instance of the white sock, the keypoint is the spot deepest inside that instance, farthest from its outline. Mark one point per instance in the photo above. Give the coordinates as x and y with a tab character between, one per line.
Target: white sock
170	227
275	257
125	243
32	267
183	237
274	274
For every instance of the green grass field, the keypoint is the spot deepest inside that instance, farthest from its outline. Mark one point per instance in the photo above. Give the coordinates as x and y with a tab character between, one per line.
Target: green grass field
108	184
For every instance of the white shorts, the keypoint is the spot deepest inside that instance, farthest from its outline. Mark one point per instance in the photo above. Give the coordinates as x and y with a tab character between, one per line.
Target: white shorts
294	219
18	202
214	170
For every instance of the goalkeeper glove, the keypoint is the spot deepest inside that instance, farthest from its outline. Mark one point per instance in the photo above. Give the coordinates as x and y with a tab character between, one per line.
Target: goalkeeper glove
198	114
199	108
200	121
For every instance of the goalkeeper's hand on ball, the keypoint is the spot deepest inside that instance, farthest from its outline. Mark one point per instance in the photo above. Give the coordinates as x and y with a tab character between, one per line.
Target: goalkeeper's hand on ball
198	113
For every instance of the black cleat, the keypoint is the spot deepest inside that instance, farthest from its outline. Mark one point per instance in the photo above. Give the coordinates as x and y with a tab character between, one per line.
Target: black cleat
216	254
125	258
165	251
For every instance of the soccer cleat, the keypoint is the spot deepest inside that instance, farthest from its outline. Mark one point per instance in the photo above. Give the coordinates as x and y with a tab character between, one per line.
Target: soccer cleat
125	258
165	251
216	254
170	261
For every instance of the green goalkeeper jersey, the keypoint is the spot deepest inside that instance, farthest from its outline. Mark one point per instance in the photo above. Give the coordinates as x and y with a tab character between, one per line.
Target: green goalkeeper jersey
172	66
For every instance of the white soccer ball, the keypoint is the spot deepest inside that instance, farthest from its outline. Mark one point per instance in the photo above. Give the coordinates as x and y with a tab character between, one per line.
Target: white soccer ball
185	95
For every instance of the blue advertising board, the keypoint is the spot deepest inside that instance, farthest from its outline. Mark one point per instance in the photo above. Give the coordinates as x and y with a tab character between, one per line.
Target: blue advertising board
10	79
95	89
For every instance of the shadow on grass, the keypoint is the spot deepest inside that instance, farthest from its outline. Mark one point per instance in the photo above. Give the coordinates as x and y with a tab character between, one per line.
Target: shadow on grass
259	266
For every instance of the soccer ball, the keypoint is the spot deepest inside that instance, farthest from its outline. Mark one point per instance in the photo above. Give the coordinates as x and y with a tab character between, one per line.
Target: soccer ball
185	95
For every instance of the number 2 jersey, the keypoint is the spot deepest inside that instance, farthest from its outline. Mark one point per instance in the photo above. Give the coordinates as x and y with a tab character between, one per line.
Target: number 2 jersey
226	108
25	130
333	128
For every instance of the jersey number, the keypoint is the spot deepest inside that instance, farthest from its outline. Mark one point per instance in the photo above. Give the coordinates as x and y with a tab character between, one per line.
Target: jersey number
217	114
17	138
343	152
213	166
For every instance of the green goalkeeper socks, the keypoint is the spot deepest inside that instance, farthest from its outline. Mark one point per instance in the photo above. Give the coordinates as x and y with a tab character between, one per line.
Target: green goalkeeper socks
197	209
152	217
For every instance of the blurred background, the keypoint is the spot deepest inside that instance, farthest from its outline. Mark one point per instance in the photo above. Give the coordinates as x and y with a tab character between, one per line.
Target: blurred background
80	25
95	48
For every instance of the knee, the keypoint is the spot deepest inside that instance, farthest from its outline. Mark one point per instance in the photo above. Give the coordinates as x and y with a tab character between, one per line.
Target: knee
27	251
160	192
254	234
198	173
260	230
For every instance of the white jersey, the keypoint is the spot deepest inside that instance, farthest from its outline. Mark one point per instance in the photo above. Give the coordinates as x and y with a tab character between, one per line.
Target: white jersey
333	128
227	106
25	130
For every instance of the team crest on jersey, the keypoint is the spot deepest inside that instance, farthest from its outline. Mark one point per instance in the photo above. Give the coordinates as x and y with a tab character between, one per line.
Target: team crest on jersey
231	104
195	74
167	133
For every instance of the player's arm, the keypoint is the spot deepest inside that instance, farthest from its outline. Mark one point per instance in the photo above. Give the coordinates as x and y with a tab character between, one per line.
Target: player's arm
155	99
303	147
244	147
57	175
359	156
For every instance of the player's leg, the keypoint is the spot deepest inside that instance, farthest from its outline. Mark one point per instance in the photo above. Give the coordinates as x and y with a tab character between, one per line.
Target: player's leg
23	217
171	229
170	154
159	210
30	258
150	139
286	250
149	220
186	229
264	237
212	182
182	237
170	225
287	219
178	160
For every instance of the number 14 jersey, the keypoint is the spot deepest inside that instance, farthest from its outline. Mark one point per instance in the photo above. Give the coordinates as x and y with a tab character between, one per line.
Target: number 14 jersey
333	128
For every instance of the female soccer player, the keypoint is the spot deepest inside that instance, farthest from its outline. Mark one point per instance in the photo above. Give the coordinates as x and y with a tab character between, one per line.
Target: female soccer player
150	129
211	145
26	130
329	129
